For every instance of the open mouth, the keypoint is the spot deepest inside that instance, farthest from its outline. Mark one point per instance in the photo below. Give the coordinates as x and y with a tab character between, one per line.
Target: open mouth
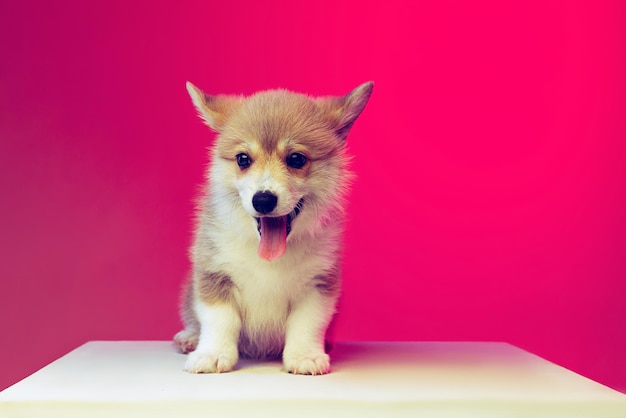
288	219
274	231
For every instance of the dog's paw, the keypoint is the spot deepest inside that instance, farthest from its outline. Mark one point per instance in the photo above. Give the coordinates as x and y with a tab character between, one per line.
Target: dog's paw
310	363
199	362
186	341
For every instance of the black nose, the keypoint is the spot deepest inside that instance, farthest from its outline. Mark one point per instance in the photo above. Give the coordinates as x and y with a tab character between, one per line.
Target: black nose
264	202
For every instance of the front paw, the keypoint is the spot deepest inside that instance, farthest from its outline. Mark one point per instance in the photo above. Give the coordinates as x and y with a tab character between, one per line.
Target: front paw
201	362
310	363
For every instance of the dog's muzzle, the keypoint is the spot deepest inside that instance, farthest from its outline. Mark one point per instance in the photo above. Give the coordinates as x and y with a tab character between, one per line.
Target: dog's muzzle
273	230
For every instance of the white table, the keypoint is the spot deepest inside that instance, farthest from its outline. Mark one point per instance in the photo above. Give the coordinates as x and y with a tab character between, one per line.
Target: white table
402	379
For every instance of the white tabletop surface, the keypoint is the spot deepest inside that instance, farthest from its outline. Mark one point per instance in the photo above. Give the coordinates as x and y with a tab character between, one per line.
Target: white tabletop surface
426	379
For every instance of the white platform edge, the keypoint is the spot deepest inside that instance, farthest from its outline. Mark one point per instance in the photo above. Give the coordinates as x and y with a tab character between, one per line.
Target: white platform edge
430	379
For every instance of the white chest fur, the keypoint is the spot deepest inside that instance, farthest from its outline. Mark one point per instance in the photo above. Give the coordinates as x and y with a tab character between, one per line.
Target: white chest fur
266	291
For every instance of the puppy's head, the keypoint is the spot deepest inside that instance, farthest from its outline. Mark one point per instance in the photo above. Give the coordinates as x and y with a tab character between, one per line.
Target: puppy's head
283	154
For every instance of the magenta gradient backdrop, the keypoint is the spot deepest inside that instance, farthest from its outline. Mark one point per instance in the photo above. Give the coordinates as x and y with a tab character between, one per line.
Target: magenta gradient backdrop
491	194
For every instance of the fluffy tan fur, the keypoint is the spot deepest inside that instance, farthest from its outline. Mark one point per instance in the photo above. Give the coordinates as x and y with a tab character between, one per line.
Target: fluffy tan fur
236	302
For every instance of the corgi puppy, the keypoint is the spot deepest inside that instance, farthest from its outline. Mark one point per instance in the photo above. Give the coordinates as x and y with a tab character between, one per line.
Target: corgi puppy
266	253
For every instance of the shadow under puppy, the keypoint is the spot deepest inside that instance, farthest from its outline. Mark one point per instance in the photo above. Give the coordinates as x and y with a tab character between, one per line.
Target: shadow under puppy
268	240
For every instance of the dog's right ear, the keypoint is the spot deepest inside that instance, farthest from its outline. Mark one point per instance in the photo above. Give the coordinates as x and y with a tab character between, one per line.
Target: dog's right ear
214	110
343	111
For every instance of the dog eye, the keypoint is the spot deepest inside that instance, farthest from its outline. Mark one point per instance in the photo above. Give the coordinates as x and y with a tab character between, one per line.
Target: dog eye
296	160
243	160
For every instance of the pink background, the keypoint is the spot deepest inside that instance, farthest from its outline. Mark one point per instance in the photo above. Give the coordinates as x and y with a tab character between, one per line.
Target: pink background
491	166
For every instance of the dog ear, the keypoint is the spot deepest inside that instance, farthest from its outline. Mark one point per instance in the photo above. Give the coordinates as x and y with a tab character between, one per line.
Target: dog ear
214	110
346	109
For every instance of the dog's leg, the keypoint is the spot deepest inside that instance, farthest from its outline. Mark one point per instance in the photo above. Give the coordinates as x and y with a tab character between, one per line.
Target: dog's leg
217	350
187	339
304	339
219	323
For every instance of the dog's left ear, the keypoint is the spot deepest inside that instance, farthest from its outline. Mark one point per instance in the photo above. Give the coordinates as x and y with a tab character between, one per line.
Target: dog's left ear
345	110
214	110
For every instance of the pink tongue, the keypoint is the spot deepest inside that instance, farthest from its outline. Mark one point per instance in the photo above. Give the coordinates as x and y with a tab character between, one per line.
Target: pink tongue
273	237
